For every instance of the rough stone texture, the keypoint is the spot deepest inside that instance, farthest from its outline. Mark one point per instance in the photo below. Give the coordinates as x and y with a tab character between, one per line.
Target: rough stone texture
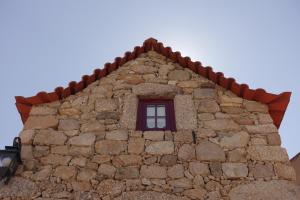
168	160
107	170
198	193
262	170
153	171
43	110
274	139
86	139
105	105
197	168
163	147
268	153
235	170
18	188
181	183
216	169
154	135
86	175
65	172
204	93
49	137
186	152
208	106
148	195
110	147
154	89
27	136
127	173
117	135
179	75
262	129
176	171
128	118
110	187
285	171
136	145
235	140
185	114
56	159
237	155
208	151
127	160
183	136
272	190
41	122
93	126
254	106
222	125
68	124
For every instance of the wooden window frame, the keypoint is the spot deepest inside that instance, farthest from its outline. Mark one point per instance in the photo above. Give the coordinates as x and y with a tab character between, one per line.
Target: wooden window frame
142	115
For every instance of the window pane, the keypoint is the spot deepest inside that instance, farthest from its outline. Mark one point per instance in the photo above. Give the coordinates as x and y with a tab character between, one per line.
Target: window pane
161	111
161	122
150	111
150	123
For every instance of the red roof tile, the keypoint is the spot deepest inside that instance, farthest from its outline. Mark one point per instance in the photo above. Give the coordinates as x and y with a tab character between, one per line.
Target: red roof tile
277	103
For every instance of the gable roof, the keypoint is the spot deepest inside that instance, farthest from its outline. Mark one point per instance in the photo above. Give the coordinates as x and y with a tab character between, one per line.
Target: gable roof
277	103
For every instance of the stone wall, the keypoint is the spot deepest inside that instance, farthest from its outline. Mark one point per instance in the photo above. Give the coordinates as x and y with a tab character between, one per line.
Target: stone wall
86	146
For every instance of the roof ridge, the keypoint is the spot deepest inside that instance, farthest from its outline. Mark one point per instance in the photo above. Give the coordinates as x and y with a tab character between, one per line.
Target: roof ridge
277	104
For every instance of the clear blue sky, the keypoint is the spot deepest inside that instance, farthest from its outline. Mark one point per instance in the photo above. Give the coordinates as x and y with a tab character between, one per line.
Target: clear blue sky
45	44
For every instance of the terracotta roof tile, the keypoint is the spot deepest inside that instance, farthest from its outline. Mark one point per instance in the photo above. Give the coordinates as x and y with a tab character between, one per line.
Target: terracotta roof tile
277	103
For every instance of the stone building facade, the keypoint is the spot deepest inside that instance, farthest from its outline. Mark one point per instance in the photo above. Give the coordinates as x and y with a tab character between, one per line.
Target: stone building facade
295	161
86	146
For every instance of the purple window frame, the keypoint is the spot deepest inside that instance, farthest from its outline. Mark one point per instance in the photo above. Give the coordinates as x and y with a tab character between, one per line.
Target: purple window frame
142	114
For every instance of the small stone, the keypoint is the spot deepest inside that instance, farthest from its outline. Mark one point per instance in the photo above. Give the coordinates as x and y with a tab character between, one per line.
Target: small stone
42	110
62	150
69	111
81	150
154	89
106	105
204	93
237	155
268	153
101	159
27	136
208	151
41	122
54	159
254	106
162	147
136	145
235	170
49	137
117	135
68	124
26	152
181	183
188	84
110	147
168	160
153	171
197	168
176	171
65	172
151	160
198	181
205	116
216	169
128	160
285	171
235	140
154	135
274	139
86	175
81	186
262	170
107	170
43	174
179	75
222	125
93	126
81	162
108	115
183	136
110	187
129	113
127	173
208	106
261	129
186	152
204	133
86	139
264	118
198	193
142	69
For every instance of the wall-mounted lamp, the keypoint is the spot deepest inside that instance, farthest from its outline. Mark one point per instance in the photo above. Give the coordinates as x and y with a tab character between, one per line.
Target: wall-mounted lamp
10	158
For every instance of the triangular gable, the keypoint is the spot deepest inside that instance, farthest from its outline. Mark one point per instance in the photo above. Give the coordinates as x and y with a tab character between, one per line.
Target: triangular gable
277	103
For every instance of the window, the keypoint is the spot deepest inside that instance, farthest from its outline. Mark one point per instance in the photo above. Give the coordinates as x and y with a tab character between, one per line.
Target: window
156	115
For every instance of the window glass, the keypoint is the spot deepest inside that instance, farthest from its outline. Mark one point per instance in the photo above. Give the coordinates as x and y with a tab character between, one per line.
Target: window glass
161	122
150	123
161	111
150	111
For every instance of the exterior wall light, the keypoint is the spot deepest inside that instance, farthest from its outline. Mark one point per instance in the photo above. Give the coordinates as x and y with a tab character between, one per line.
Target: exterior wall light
10	158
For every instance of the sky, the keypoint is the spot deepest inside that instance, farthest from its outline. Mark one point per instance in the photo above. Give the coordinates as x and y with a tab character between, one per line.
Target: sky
48	43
